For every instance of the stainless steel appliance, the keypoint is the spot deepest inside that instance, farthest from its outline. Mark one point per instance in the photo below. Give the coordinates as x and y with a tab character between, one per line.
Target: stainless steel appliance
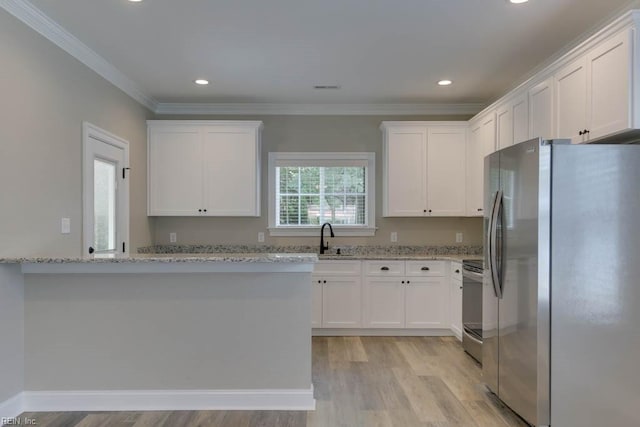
561	297
472	273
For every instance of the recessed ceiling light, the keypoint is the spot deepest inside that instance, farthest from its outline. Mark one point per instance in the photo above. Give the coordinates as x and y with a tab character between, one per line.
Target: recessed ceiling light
518	1
135	1
445	82
201	82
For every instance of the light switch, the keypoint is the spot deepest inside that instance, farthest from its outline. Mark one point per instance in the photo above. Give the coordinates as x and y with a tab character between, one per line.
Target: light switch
394	236
458	237
65	226
260	237
173	237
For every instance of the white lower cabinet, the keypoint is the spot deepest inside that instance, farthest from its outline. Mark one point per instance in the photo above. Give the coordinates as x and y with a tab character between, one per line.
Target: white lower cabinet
337	295
455	297
411	294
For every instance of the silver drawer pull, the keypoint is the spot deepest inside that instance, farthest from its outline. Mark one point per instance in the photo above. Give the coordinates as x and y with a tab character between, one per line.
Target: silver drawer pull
425	269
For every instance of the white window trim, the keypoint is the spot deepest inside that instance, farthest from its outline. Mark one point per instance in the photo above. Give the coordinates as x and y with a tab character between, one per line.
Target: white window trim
342	230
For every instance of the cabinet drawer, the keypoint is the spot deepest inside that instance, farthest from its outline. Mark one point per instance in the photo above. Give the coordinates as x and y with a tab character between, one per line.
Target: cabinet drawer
341	268
426	268
384	268
456	270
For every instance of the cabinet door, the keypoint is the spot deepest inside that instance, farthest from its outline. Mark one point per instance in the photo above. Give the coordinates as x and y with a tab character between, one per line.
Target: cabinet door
446	171
455	294
316	301
481	144
504	127
175	170
541	110
231	171
427	303
384	302
520	118
405	177
610	74
571	101
341	302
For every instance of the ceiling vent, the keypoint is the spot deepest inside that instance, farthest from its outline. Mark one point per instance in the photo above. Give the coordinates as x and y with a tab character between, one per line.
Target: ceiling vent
327	87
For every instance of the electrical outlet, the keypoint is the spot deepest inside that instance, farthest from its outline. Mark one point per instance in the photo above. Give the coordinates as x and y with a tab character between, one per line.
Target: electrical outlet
65	226
458	237
260	237
394	236
173	237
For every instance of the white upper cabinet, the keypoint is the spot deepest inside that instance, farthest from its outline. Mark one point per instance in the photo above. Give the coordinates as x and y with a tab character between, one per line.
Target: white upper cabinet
512	121
520	118
481	143
405	176
541	110
424	168
446	171
175	185
571	100
611	74
231	156
203	168
593	94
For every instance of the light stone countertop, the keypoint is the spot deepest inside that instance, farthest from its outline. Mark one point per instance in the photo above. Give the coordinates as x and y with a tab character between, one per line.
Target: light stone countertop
396	257
171	258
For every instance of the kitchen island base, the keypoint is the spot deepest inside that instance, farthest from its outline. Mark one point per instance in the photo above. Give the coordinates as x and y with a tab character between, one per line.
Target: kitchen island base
167	341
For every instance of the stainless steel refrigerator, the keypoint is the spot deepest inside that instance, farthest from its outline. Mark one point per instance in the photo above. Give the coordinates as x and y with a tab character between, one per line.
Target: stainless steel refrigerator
561	291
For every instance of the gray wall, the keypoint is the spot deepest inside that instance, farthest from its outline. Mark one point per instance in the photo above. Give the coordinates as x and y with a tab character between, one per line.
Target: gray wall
167	331
46	95
11	332
319	133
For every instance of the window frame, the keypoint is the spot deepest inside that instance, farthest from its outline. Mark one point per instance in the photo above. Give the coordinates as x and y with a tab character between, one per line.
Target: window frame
277	159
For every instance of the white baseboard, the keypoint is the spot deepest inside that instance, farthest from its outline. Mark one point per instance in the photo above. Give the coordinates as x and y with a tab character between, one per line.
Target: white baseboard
160	400
11	408
339	332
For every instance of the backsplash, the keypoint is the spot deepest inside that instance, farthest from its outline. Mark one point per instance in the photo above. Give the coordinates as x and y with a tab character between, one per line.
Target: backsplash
344	249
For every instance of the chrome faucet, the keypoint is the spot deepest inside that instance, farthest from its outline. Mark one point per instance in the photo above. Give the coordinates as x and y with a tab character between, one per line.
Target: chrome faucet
323	246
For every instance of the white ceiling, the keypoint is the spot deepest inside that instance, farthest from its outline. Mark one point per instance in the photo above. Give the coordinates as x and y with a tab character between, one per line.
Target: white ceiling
379	51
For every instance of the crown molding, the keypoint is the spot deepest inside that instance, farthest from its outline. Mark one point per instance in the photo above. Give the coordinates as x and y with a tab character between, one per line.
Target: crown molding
316	109
38	21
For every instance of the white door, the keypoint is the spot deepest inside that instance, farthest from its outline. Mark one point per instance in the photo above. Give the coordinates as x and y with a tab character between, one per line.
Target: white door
455	294
481	144
520	119
316	302
446	171
230	158
105	192
610	83
504	127
384	302
571	101
175	171
406	180
341	302
426	303
541	110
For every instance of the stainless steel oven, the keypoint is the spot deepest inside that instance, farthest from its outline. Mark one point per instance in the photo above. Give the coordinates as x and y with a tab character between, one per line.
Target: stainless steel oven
472	273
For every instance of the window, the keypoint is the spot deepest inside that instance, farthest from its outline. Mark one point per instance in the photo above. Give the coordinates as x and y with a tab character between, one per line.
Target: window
309	189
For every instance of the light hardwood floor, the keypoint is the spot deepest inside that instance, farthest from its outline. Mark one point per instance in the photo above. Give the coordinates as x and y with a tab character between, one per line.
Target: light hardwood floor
359	381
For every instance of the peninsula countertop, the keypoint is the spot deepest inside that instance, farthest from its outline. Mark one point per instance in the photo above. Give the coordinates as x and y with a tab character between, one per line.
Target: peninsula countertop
169	258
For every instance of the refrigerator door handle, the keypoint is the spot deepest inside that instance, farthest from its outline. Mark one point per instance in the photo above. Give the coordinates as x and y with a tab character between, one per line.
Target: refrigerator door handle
493	257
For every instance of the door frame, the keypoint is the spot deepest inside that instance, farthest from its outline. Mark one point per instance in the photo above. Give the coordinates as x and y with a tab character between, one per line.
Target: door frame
89	132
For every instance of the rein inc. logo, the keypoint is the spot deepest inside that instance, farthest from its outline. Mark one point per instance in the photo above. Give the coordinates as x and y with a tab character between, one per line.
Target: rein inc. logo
18	421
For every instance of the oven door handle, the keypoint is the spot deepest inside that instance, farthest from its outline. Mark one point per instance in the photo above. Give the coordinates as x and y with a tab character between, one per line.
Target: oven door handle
472	275
470	335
